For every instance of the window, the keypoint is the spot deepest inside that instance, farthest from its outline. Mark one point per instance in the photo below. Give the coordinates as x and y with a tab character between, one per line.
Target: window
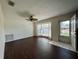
65	28
44	29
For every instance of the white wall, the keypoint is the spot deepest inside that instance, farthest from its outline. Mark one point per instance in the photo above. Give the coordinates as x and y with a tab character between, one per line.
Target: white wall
2	39
17	26
14	24
20	29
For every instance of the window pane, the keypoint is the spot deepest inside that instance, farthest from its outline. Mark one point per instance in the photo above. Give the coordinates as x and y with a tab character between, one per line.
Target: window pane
39	29
64	28
44	29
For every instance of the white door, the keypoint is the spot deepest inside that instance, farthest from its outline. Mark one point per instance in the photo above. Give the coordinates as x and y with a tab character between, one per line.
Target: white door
73	29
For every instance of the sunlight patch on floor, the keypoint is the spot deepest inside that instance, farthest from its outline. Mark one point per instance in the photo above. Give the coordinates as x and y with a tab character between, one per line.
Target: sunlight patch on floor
63	45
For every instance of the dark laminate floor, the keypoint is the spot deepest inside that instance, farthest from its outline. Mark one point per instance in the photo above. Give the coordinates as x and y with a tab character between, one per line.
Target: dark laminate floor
36	48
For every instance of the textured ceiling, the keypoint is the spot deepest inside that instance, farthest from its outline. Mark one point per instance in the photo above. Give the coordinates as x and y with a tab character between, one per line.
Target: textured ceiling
43	9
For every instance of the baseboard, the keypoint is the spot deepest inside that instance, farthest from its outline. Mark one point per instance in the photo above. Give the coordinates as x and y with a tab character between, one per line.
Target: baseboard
19	39
44	37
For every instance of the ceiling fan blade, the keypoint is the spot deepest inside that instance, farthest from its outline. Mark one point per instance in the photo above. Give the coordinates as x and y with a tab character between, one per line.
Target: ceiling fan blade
34	19
31	19
27	19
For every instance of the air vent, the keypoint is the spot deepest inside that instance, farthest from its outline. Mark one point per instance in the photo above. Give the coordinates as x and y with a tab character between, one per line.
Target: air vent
11	3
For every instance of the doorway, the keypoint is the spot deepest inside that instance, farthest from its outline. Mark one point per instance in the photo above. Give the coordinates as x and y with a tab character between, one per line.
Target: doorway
44	29
74	32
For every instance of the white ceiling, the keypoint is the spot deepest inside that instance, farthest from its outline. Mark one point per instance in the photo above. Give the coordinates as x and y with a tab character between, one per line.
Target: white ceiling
43	9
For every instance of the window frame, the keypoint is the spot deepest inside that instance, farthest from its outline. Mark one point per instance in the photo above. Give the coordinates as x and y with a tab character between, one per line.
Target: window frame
69	28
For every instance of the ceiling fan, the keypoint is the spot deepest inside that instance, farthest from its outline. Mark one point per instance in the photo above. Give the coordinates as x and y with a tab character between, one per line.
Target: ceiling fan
31	18
27	15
